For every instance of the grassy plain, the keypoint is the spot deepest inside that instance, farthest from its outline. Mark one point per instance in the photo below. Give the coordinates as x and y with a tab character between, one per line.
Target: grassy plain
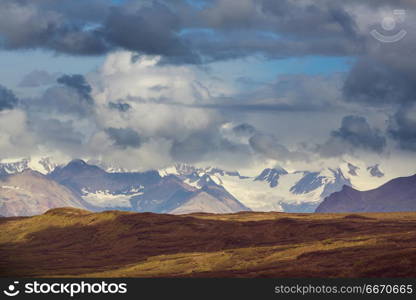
70	242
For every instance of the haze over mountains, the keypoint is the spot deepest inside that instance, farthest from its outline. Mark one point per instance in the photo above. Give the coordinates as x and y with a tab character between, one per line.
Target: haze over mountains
180	189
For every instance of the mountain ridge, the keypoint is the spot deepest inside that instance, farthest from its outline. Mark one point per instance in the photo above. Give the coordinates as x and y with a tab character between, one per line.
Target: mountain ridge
396	195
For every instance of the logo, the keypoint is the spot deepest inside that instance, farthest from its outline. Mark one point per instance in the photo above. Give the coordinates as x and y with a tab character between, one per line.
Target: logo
11	290
389	23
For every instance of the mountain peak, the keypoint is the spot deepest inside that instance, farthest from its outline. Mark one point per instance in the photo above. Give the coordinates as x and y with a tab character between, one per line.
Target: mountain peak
271	175
375	171
77	162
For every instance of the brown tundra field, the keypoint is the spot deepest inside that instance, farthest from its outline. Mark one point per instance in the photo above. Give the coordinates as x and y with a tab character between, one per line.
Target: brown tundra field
69	242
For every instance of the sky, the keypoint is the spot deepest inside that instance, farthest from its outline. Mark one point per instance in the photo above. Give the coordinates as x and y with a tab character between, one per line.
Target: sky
240	85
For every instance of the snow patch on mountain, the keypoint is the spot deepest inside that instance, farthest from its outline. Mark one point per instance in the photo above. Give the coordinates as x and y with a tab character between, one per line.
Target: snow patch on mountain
274	189
106	199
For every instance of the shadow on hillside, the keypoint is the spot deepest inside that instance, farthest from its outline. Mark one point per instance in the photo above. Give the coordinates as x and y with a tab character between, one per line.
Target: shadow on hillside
132	238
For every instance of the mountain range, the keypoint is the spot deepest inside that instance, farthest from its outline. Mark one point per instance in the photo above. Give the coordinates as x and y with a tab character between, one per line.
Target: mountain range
179	189
78	184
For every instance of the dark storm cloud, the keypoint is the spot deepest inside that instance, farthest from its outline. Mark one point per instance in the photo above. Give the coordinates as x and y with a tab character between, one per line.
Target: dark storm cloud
124	137
378	81
7	99
43	24
151	29
244	129
38	78
355	133
276	29
182	32
385	77
120	106
402	127
78	83
93	28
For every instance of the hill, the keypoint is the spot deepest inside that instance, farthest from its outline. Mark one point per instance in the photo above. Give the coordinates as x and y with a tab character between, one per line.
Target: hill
396	195
70	242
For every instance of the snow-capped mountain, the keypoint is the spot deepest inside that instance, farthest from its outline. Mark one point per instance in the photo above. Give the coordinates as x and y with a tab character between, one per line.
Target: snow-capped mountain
12	167
271	176
186	188
375	171
299	191
43	165
274	189
100	188
143	191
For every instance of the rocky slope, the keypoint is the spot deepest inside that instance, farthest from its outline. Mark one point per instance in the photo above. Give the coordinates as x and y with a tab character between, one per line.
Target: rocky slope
143	192
30	193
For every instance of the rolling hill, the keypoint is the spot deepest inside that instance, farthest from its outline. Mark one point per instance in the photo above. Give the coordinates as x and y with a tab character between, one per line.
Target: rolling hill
70	242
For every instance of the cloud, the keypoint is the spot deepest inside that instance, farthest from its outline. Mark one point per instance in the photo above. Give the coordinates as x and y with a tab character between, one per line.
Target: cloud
15	137
38	78
148	114
287	93
57	134
124	137
184	33
269	147
402	127
60	100
384	77
78	83
244	129
354	134
378	81
120	106
155	97
42	24
71	97
155	28
7	99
